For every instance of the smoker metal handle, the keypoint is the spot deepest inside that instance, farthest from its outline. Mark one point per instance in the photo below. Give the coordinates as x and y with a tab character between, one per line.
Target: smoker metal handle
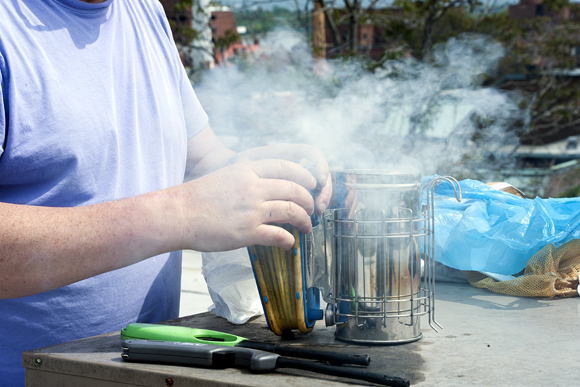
429	278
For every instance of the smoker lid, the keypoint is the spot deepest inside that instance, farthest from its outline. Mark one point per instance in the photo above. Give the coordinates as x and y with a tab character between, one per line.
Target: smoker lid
379	179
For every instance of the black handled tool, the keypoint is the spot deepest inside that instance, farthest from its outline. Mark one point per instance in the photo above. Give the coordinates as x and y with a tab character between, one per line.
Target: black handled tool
334	358
141	331
216	356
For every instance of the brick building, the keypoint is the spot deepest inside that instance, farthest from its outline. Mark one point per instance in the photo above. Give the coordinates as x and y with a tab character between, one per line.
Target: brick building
370	37
223	25
531	9
208	24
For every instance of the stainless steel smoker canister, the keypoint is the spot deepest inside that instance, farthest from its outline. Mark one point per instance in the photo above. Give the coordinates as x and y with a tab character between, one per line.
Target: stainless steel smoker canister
379	238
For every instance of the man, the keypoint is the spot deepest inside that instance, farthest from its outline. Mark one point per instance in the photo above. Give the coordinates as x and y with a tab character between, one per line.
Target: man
98	127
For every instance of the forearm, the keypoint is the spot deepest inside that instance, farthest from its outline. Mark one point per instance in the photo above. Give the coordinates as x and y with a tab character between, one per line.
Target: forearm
205	154
212	161
43	248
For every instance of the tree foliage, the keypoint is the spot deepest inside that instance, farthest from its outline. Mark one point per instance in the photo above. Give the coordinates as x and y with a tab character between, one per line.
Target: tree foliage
543	51
541	55
425	14
180	21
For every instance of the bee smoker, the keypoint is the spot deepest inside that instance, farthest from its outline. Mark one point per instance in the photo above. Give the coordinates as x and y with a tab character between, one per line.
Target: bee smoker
373	256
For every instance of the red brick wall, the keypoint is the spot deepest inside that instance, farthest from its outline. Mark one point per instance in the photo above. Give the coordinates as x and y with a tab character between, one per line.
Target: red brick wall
221	21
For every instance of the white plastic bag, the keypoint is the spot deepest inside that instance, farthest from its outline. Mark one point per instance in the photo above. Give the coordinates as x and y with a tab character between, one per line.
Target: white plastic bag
231	285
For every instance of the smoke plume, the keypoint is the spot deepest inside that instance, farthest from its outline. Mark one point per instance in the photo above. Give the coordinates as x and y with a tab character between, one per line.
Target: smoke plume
433	117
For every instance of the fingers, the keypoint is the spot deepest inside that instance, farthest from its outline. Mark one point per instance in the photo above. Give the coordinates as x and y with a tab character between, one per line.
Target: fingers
318	167
283	169
288	192
317	163
313	160
249	197
285	181
287	212
322	197
270	235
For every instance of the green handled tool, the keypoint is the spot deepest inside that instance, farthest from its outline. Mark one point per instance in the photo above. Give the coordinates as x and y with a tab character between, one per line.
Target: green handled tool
215	356
140	331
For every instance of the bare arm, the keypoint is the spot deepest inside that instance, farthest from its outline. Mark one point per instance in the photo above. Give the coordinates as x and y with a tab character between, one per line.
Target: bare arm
43	248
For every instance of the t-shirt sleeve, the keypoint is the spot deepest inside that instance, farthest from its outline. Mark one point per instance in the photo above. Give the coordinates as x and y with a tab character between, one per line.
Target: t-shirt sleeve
195	117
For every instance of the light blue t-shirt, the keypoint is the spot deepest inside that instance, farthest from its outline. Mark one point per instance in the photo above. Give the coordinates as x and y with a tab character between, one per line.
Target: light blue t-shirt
94	106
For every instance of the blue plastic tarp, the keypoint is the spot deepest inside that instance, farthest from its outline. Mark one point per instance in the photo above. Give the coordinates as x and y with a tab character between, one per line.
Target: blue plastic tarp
495	231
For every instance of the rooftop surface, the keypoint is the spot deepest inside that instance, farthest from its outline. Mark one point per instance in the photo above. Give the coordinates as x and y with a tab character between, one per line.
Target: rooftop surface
194	295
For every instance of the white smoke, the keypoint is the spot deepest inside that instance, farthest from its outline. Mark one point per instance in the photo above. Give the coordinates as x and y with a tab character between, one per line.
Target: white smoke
406	114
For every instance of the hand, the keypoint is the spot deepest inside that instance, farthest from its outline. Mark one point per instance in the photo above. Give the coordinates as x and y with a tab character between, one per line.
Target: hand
315	163
235	206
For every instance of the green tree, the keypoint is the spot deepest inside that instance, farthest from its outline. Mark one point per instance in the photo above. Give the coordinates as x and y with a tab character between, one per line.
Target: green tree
544	52
425	16
179	18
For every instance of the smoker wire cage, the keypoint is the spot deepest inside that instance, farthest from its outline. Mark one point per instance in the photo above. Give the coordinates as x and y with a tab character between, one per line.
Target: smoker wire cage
380	255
